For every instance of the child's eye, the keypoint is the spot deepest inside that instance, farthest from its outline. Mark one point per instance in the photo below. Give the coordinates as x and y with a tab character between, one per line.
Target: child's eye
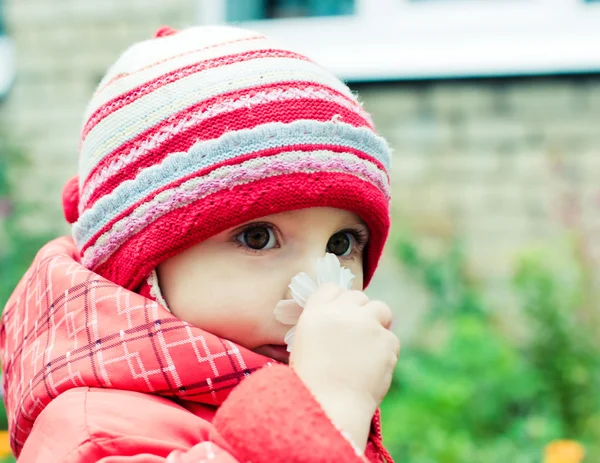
347	242
341	244
257	237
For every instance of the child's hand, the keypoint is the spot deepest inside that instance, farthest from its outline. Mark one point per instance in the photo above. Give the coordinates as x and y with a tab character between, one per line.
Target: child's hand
346	354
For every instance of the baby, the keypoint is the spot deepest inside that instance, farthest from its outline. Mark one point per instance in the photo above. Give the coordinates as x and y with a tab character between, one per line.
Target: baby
215	166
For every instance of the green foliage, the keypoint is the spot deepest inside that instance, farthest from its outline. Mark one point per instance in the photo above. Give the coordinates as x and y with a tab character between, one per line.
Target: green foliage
17	245
559	302
465	391
444	278
3	419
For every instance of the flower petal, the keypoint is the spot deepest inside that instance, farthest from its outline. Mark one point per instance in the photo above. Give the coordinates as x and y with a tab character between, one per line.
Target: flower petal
346	278
289	338
302	287
288	311
328	269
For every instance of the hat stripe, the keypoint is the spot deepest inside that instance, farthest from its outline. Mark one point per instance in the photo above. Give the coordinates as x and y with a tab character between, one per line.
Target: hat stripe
128	207
211	119
135	118
228	177
146	87
230	146
154	68
95	230
149	51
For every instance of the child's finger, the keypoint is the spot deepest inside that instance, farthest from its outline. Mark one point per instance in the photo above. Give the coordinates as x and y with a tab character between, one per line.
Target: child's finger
355	297
323	295
381	312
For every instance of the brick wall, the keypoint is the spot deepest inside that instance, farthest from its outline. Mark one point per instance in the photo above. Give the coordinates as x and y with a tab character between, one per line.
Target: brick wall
503	163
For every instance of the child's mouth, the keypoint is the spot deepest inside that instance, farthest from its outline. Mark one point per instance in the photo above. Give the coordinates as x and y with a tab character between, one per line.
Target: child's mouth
277	352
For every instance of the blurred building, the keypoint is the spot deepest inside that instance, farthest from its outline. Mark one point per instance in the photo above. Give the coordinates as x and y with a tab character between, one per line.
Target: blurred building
492	107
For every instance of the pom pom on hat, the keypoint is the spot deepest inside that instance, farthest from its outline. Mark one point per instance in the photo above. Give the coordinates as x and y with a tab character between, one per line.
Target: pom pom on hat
165	31
70	198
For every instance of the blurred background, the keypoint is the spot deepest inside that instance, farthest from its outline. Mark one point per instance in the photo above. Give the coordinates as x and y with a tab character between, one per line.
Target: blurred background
492	108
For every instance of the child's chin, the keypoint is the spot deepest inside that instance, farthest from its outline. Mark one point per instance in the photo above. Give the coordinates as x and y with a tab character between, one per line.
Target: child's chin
277	352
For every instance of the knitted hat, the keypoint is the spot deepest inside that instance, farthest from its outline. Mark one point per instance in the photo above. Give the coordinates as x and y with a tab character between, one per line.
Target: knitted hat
198	131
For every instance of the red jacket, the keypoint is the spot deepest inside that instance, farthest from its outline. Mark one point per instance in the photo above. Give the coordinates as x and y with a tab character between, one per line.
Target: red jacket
93	372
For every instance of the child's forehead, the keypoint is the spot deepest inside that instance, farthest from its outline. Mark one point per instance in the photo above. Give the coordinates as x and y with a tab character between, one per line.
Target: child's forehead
323	215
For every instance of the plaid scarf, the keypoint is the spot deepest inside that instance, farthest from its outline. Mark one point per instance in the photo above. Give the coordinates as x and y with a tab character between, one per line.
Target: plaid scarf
66	327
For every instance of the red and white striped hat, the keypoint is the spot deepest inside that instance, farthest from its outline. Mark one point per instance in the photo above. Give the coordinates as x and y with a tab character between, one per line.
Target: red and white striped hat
194	132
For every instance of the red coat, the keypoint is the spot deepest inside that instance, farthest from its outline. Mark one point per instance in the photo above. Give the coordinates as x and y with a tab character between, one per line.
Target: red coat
94	372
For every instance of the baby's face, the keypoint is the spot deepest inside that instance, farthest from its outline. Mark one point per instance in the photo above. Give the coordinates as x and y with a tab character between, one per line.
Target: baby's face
229	284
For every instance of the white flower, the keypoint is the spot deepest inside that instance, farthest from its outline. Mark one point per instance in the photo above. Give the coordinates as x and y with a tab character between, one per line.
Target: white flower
327	270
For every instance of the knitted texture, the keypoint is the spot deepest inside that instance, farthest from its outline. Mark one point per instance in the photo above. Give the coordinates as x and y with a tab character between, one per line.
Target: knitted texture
197	131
